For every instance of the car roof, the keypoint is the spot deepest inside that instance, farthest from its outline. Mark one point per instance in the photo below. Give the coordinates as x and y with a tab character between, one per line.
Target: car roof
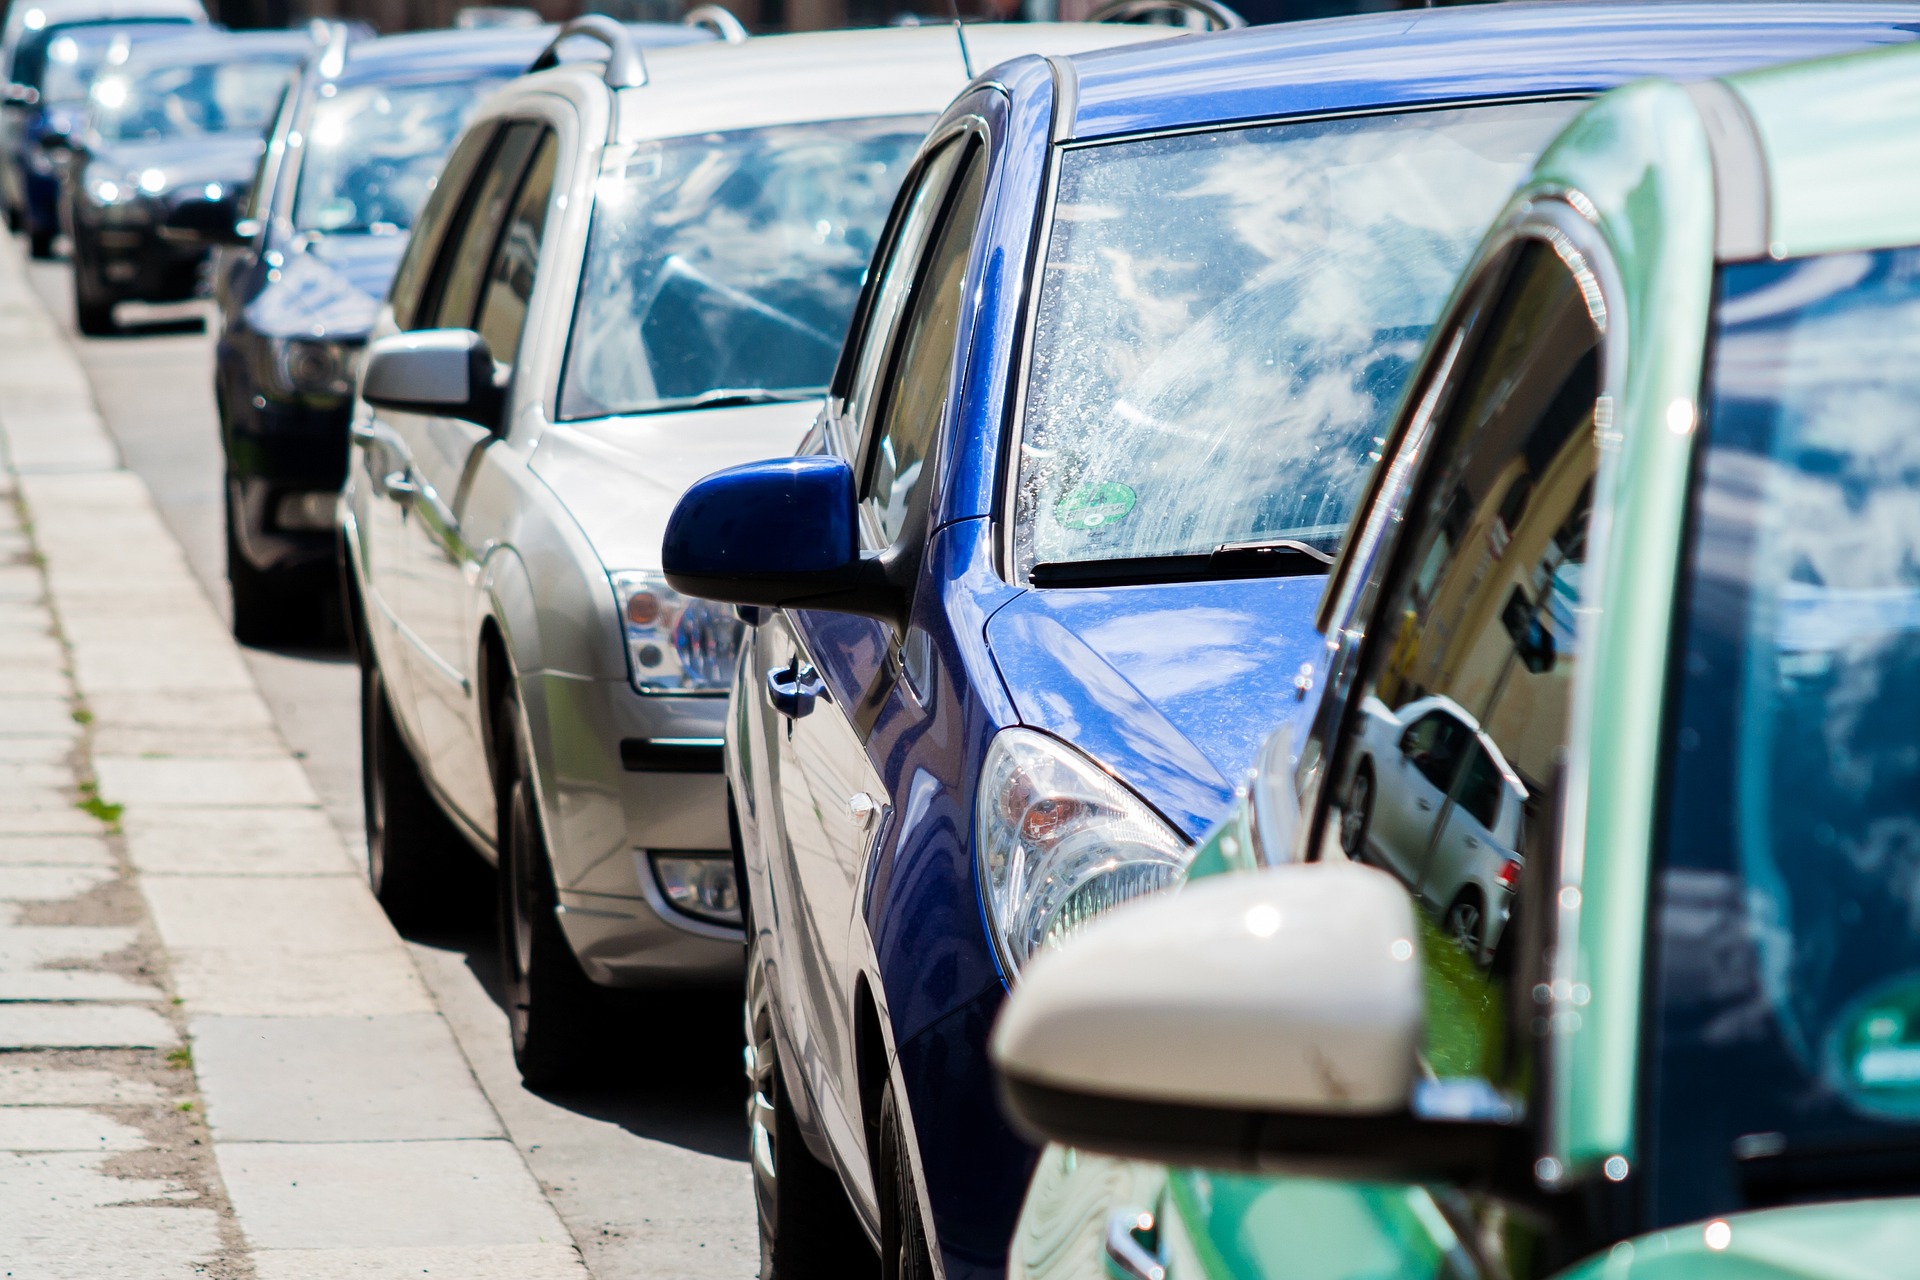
1841	141
1475	51
434	54
223	44
836	75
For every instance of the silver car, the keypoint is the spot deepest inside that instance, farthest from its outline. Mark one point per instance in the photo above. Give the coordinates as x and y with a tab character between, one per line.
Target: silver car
628	277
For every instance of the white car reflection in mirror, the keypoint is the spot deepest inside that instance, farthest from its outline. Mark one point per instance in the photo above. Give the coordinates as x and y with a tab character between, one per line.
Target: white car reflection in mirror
1431	800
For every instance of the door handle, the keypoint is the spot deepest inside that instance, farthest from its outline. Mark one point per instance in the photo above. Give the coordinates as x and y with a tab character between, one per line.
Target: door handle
1130	1258
397	485
1426	806
363	434
794	689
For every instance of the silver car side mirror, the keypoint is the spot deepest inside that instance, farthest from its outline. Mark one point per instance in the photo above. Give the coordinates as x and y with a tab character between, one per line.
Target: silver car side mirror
447	373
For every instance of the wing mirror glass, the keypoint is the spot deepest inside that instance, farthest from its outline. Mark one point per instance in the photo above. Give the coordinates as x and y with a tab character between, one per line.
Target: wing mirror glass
784	532
448	373
1268	1020
202	221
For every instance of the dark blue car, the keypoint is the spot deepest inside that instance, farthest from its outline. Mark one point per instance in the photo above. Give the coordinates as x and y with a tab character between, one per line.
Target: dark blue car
1044	573
357	146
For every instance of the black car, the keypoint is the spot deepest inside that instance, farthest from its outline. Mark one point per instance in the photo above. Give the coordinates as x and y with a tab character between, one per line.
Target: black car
355	149
184	120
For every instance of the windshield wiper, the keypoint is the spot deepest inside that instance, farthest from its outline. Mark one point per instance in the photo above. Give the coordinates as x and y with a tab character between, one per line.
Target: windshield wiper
732	398
1281	558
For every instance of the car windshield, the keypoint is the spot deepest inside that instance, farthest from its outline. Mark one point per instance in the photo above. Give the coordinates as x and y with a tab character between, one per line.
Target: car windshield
724	267
62	61
188	100
1226	320
373	151
1787	925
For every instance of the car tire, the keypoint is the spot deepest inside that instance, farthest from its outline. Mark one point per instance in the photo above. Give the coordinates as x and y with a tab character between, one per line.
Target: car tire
554	1011
807	1227
92	304
414	856
1356	818
1465	922
904	1254
40	242
263	613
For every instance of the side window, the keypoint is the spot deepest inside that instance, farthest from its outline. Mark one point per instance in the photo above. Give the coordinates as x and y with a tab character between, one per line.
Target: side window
461	268
430	230
1433	747
1477	614
895	281
267	171
913	397
509	282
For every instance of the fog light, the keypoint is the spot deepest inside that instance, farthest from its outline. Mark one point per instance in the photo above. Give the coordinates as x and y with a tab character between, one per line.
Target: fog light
701	886
311	510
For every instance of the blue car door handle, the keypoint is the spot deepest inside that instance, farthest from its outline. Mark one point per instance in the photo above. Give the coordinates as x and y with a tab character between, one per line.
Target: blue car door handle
793	689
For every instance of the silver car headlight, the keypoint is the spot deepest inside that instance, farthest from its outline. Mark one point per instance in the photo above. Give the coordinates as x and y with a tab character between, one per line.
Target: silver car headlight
1059	842
675	644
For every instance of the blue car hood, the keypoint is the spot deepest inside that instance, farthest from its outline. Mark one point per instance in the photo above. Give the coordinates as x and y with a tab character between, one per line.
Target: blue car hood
1172	687
331	289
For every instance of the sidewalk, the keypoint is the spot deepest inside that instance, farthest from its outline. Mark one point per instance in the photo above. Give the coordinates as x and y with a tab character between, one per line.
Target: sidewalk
197	908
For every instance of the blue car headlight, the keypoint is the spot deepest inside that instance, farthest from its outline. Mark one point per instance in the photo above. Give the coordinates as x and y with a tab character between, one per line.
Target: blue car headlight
1059	842
675	644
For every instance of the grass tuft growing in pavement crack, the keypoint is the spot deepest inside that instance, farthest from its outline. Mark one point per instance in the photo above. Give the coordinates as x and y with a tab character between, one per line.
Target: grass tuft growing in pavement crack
104	810
82	716
181	1057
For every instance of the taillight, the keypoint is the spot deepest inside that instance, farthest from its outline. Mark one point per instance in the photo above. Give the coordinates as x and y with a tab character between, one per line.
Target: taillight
1509	873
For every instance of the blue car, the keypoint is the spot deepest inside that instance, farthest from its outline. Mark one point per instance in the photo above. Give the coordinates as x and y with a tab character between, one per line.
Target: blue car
1043	574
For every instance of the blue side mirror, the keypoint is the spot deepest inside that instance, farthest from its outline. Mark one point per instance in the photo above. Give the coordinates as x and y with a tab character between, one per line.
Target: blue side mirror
784	532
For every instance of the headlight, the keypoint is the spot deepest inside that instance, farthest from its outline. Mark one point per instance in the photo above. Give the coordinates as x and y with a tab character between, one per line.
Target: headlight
1059	842
304	367
674	644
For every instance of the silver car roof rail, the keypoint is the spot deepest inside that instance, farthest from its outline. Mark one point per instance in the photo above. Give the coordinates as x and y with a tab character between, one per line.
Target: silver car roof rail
624	68
333	59
1213	15
717	20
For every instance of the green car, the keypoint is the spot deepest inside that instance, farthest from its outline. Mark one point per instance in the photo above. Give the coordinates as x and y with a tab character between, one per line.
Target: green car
1642	556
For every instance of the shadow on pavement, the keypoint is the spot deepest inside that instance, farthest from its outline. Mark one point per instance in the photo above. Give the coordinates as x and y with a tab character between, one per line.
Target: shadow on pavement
158	328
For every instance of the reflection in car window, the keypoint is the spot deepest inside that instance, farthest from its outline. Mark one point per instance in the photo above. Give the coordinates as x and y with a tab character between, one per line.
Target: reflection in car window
191	100
1501	510
61	62
509	284
1244	304
374	150
1788	924
728	262
463	264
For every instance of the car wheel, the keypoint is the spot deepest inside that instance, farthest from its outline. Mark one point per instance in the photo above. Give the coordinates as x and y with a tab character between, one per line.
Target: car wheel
1464	921
1357	816
92	304
807	1228
40	242
262	612
903	1237
553	1008
414	856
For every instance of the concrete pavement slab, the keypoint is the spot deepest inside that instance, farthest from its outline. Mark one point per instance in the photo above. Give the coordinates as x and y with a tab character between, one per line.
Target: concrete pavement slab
265	842
36	748
242	982
378	1195
63	1218
51	884
63	850
484	1262
43	713
333	1080
34	1083
33	680
64	1129
319	916
57	816
104	668
67	985
165	710
105	1026
174	782
33	946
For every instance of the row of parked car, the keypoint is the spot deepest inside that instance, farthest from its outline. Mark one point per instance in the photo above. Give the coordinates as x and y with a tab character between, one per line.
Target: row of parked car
1459	534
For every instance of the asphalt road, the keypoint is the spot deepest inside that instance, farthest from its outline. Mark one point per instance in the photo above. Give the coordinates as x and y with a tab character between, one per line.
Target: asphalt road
650	1177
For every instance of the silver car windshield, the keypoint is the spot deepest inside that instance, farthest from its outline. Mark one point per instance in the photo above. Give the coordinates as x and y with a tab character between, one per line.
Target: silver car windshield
189	100
373	152
1226	320
722	268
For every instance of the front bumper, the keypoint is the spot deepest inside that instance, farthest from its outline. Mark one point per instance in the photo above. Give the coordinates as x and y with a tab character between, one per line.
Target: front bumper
633	776
132	262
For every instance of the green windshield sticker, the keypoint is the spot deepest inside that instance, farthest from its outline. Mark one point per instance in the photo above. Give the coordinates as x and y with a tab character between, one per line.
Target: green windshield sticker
1092	506
1877	1046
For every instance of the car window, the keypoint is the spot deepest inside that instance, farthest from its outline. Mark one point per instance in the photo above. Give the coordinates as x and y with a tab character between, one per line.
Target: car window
913	399
187	100
61	61
724	266
1518	421
1432	746
440	213
463	263
516	259
267	172
1226	321
1480	785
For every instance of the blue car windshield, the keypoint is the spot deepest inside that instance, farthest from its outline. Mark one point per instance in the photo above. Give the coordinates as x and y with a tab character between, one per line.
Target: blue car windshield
373	153
62	61
724	267
188	100
1786	1044
1226	320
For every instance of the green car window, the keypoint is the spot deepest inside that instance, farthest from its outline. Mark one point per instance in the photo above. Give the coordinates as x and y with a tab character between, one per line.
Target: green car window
1786	1058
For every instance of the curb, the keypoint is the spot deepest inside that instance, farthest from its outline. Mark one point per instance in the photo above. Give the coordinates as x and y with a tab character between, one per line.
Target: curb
347	1126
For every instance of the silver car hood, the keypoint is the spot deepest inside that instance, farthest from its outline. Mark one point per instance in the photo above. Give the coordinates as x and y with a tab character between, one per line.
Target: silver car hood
619	477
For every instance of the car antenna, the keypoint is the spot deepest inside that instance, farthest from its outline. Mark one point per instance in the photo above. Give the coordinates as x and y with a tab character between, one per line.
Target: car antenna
959	33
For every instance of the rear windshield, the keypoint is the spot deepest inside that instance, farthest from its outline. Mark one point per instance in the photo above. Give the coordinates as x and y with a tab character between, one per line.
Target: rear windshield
1787	1058
373	151
1226	320
724	266
61	62
188	100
